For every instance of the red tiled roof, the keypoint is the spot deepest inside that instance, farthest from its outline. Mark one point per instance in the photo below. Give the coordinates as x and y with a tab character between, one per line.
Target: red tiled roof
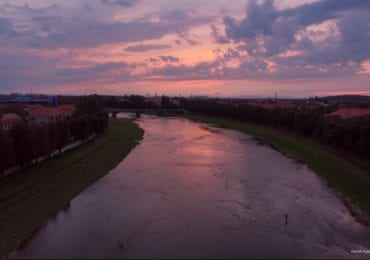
41	111
67	107
350	112
10	118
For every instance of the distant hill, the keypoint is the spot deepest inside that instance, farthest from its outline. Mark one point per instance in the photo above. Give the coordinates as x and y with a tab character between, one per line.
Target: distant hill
347	99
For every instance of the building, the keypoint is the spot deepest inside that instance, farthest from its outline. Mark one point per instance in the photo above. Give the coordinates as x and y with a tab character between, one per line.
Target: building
38	114
30	99
350	112
9	120
273	105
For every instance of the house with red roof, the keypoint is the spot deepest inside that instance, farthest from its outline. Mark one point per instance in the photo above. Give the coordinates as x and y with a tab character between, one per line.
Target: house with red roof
350	112
9	120
38	114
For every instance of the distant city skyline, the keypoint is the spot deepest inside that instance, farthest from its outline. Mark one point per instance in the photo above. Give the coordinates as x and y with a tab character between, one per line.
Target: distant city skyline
216	48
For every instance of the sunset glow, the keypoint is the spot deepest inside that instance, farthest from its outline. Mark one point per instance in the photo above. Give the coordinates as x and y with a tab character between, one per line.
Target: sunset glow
218	48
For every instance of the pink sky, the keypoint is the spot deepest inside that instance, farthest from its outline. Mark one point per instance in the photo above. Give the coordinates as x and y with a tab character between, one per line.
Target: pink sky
199	47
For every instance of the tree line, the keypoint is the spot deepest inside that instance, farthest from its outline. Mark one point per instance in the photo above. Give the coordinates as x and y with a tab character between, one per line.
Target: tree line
137	102
26	143
352	134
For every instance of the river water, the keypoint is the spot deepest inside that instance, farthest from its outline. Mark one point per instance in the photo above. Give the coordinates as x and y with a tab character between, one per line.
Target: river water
194	190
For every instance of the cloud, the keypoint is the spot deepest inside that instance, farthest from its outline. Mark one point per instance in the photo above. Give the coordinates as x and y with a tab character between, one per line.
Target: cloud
231	53
146	47
88	8
218	37
79	34
267	33
153	60
120	3
163	58
259	20
6	28
169	58
320	11
58	27
111	71
24	70
99	33
176	15
201	70
186	38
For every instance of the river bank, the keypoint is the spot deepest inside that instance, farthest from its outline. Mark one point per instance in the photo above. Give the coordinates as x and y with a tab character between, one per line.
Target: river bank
29	198
351	181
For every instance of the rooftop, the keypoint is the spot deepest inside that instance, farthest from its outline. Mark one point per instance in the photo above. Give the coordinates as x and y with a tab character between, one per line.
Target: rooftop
38	110
10	117
350	112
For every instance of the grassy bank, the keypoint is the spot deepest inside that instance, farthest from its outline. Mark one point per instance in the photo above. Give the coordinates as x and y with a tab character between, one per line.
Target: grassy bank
351	178
27	199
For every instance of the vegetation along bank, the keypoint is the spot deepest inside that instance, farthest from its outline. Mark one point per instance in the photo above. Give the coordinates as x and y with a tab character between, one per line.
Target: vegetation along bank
30	197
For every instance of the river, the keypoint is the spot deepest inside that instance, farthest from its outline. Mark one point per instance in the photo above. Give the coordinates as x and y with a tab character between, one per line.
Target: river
194	190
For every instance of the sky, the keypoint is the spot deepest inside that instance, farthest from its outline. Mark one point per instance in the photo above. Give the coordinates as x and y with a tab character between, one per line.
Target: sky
182	47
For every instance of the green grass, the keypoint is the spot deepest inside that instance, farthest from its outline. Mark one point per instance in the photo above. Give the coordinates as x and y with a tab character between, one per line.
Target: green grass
29	198
349	176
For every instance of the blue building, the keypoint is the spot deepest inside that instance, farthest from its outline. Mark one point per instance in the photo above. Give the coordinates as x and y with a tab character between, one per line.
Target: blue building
51	101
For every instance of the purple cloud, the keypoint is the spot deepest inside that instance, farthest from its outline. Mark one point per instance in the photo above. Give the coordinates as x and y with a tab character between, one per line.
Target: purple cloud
169	58
52	31
6	28
176	15
146	47
218	37
102	71
266	33
27	70
120	3
153	60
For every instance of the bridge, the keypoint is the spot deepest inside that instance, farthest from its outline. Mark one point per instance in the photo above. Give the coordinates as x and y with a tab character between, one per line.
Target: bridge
160	112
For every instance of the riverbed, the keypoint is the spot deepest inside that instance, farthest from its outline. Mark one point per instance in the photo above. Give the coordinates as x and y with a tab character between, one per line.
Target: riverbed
195	190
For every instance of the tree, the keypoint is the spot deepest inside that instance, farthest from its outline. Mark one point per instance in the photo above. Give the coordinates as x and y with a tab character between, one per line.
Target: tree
353	134
99	122
7	153
16	109
334	131
90	104
42	141
91	109
79	126
63	127
24	143
166	102
136	101
53	135
363	144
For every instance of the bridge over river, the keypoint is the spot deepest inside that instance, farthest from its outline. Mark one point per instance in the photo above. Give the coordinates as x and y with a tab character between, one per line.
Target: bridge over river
114	111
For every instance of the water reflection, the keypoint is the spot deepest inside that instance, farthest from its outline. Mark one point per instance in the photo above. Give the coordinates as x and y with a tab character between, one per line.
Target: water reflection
193	190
